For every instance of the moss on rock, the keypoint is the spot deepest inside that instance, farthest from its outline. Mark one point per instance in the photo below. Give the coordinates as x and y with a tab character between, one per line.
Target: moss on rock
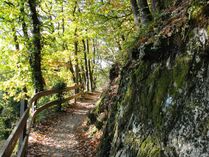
161	109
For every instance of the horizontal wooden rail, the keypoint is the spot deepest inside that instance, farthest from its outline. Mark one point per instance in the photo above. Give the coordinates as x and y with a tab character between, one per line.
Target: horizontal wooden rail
11	142
50	92
50	104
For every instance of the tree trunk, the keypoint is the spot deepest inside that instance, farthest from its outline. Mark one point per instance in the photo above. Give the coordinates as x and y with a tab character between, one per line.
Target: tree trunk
17	46
89	67
94	63
83	75
72	70
51	19
146	16
79	74
135	10
123	38
35	58
22	19
157	6
66	47
63	20
76	58
86	66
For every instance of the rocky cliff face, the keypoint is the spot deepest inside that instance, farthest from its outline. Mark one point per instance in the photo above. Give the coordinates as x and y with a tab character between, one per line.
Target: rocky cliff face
162	104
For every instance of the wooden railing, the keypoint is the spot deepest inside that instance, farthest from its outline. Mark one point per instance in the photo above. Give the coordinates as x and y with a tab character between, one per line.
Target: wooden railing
26	121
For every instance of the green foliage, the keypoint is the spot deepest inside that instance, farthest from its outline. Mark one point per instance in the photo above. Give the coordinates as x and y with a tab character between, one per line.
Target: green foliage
109	24
106	25
194	11
60	85
9	113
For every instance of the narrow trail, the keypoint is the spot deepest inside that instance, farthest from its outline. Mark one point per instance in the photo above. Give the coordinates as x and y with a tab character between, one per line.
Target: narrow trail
59	136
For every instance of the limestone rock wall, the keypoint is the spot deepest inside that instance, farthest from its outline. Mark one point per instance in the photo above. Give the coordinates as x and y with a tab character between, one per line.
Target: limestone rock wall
162	104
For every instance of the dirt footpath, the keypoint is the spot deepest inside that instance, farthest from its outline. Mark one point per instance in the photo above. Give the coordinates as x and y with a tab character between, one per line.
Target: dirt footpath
63	135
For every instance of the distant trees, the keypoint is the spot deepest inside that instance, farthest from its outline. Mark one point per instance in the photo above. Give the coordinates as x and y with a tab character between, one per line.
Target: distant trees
38	39
59	36
46	41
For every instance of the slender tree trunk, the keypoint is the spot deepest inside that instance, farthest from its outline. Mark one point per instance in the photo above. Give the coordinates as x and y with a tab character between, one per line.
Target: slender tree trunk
76	49
63	26
51	19
63	20
35	58
76	44
123	38
27	42
71	68
28	45
49	13
79	74
17	46
86	66
146	15
135	10
89	67
94	63
83	75
24	26
76	58
157	5
52	26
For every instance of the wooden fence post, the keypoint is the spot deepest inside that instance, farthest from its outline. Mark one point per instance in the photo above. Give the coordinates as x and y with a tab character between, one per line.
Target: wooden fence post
23	107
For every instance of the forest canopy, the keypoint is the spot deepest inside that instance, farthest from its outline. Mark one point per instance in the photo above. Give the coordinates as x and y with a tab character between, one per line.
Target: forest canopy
46	41
43	43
